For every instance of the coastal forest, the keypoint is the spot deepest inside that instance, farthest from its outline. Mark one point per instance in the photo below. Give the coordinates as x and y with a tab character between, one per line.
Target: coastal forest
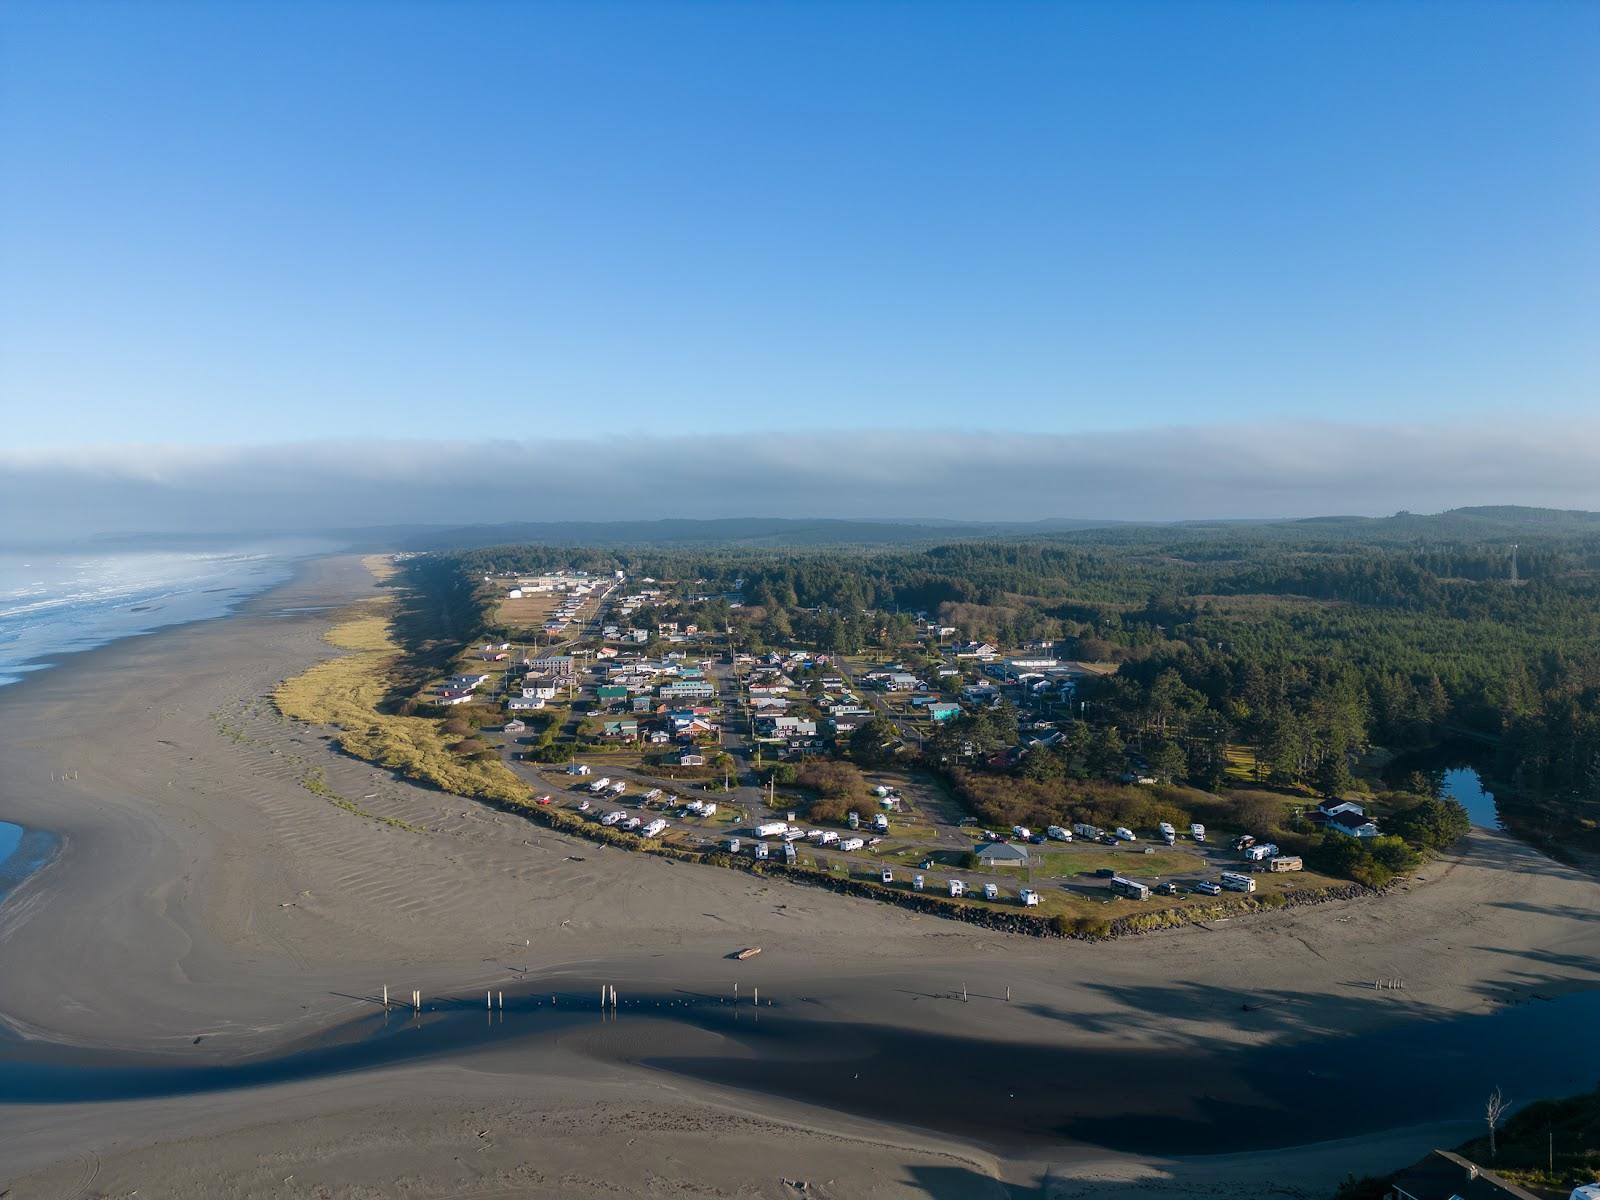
1306	644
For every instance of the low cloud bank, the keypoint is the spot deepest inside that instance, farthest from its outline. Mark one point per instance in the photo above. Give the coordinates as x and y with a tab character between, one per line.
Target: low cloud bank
1156	475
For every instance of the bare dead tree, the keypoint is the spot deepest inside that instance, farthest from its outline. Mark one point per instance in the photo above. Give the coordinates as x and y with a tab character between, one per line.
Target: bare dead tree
1493	1110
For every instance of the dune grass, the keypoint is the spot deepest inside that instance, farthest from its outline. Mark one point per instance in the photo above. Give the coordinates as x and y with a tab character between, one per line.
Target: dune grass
347	693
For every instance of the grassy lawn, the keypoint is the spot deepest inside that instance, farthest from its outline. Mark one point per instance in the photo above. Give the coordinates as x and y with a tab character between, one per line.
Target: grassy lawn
1241	765
1094	858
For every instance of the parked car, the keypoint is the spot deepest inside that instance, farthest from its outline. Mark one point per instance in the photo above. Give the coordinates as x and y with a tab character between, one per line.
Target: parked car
1207	888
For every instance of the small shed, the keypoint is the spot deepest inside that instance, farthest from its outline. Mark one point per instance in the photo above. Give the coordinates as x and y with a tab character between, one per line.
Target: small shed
1001	854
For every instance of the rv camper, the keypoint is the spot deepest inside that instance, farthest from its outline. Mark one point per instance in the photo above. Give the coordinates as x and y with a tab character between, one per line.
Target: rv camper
1131	888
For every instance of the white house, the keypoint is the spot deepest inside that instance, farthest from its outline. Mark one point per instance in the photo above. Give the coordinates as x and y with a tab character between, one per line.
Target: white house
533	688
1353	824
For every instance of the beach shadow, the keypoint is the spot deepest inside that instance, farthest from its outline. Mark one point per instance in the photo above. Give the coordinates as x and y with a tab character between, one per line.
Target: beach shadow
963	1183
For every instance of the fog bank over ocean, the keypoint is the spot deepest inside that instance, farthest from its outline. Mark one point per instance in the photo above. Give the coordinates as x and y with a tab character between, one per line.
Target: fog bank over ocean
1205	471
61	600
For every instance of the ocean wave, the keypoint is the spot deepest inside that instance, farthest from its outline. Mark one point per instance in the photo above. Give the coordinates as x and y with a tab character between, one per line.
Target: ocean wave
52	607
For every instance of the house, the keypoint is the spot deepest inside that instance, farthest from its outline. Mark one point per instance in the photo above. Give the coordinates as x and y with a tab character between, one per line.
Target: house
453	700
1446	1176
524	704
789	727
557	665
609	693
515	726
981	693
688	688
973	650
537	687
625	728
691	758
1333	807
1352	824
1001	854
943	712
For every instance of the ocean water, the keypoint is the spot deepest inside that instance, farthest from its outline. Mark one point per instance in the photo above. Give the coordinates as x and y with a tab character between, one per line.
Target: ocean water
58	602
22	852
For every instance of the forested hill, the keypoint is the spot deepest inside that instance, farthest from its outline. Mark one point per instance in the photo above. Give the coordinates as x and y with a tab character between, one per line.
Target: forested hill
775	532
1464	525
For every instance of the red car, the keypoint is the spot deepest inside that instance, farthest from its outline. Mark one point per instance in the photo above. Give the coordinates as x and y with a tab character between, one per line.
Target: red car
542	799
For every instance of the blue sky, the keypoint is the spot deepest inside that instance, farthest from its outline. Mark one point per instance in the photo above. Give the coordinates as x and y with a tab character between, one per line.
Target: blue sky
242	223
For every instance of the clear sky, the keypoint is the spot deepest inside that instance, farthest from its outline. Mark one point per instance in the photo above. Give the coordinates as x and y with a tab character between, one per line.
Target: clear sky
236	223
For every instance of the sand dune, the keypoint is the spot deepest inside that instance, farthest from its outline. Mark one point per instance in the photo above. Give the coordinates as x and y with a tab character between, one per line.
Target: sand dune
206	904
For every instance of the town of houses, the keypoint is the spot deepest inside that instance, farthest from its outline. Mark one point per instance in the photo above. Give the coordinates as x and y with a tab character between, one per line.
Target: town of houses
605	664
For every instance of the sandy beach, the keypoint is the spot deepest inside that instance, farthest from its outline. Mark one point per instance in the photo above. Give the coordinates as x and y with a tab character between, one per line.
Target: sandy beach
206	907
